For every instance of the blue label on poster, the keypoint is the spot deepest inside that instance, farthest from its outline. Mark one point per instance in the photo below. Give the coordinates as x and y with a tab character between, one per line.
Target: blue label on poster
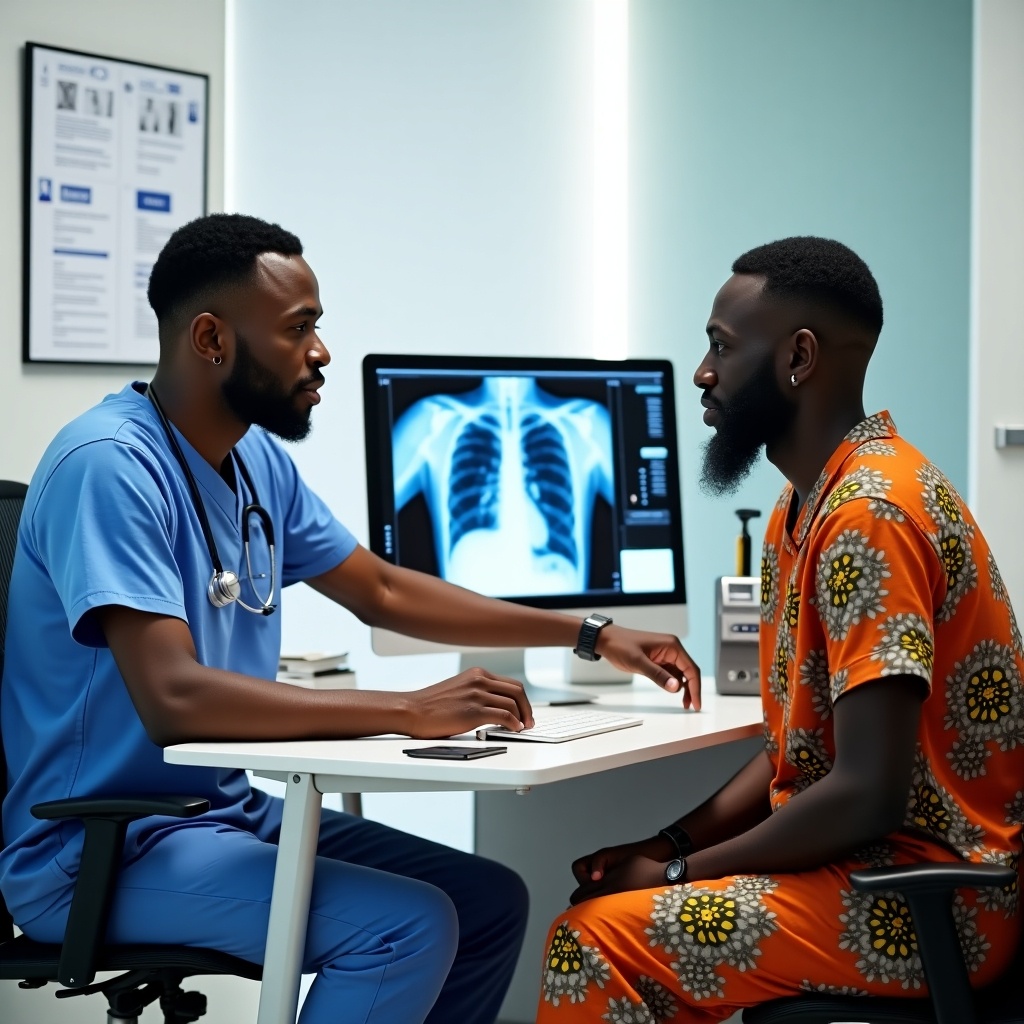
155	202
75	194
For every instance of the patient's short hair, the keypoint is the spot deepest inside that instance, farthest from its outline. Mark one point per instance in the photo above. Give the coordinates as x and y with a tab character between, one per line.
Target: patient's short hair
820	271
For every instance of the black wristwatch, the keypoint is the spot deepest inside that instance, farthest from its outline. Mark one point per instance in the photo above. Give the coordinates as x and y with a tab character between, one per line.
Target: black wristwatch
679	838
592	626
675	871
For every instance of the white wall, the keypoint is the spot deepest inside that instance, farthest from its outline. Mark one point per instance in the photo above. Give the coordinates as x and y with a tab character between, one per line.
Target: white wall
435	159
997	321
36	400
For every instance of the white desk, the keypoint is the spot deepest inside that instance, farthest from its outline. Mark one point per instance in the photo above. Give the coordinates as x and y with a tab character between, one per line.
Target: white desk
312	768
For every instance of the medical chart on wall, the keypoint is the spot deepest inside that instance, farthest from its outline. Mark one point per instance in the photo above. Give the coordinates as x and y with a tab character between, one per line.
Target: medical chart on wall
116	161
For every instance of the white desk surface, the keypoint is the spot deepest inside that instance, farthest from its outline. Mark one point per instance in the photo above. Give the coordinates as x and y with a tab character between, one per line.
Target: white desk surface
310	768
378	764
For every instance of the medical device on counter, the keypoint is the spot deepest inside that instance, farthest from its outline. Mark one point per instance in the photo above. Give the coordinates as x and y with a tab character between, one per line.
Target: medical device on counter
738	620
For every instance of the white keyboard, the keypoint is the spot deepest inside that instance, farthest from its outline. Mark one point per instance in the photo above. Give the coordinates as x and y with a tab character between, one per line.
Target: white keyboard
558	726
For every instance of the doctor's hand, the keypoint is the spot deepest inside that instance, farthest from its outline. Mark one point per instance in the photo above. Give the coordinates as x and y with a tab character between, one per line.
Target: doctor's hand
639	865
659	656
472	698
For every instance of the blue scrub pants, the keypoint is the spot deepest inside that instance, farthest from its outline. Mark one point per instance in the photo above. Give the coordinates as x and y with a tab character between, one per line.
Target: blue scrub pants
400	929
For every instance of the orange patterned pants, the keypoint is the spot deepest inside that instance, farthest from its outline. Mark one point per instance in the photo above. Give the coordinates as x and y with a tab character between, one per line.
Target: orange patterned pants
699	952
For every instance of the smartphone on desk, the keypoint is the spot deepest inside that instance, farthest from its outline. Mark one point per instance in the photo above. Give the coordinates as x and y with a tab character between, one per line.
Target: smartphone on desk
454	753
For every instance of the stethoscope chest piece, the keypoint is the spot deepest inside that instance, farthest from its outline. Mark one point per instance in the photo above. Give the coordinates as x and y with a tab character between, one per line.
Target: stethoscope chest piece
224	588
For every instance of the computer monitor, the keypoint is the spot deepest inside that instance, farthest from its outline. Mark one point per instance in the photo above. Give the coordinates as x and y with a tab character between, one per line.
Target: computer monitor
547	482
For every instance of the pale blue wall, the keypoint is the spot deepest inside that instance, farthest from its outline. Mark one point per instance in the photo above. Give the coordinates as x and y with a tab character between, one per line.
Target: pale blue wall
753	120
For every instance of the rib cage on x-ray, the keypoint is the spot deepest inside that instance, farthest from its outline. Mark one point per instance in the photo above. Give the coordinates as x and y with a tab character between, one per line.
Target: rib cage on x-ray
549	482
473	483
510	463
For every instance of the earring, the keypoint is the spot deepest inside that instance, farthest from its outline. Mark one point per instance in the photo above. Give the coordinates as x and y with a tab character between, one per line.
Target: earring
217	361
793	380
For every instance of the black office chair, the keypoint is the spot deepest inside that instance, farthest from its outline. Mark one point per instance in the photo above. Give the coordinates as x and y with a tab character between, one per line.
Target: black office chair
152	972
928	891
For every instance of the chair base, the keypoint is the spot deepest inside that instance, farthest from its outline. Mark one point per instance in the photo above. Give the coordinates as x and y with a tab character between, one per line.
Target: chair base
829	1009
129	994
151	973
1000	1003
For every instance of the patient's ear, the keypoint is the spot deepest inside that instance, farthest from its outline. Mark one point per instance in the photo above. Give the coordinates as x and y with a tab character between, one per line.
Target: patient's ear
802	356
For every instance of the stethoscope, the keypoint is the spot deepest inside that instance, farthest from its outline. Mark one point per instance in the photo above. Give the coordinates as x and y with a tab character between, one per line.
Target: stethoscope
224	587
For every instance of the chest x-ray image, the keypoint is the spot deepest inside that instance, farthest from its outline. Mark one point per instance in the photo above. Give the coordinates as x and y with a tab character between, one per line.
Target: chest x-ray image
510	475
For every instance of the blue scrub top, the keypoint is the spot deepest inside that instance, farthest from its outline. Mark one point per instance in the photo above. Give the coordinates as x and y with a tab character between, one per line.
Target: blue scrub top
109	520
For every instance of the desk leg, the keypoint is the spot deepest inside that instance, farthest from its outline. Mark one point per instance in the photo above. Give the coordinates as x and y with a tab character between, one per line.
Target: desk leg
289	903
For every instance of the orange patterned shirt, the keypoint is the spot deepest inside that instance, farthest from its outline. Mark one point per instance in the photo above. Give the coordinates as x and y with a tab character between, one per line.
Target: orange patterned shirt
887	573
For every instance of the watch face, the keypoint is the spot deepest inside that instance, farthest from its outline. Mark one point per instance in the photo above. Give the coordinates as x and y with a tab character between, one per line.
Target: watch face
674	870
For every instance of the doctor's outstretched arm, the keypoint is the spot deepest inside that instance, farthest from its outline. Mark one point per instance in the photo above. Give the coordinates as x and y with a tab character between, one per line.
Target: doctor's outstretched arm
423	606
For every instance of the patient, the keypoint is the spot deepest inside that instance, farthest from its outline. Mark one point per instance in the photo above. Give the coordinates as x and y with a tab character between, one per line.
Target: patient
891	670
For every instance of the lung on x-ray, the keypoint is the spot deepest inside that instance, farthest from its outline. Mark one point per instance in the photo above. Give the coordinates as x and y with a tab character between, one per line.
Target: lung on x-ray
512	478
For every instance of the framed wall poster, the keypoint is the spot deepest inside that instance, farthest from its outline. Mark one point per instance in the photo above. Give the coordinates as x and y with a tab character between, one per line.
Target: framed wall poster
115	160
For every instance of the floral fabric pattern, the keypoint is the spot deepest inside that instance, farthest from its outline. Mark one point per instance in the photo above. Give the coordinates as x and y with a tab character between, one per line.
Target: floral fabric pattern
622	1011
571	967
814	674
704	929
769	583
658	999
906	646
884	575
850	583
861	483
903	583
880	932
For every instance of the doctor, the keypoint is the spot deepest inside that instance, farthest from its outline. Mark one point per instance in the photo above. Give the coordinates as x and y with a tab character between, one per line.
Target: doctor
158	532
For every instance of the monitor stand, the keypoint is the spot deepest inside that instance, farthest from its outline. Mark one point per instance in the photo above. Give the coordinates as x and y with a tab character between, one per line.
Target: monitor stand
511	663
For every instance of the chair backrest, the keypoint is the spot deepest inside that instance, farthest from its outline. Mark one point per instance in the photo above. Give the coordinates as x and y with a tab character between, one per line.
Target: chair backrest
12	500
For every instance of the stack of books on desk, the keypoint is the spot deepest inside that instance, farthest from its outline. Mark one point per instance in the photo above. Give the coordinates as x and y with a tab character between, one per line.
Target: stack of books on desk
316	669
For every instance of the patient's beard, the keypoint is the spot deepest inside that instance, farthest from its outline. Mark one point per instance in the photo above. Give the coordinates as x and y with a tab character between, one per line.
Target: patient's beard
758	414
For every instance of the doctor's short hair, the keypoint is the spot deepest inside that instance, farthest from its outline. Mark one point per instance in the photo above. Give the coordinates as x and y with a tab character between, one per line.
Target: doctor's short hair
819	272
207	254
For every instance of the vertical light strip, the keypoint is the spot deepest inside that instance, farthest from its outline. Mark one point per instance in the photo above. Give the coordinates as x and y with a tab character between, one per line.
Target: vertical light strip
230	110
610	189
975	315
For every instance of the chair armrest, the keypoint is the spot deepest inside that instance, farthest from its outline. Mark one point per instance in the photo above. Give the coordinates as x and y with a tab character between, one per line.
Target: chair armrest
932	878
126	808
928	890
106	821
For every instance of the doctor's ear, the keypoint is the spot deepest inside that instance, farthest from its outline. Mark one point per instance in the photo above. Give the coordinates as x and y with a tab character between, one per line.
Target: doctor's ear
208	335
